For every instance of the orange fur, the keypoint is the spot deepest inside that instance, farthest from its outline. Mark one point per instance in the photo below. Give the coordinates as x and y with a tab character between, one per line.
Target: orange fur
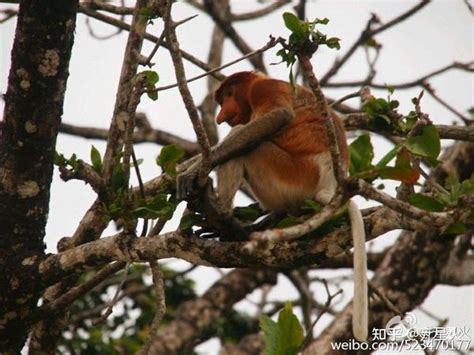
292	165
287	160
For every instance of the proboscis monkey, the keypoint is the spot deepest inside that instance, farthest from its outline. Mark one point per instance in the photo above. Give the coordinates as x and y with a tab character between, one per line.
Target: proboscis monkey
288	161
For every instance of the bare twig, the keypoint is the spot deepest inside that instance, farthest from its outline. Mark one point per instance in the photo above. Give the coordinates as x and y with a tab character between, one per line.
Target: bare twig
113	301
469	6
84	172
330	297
229	30
301	284
365	35
160	41
101	37
274	5
125	26
76	292
468	66
346	97
270	44
139	136
323	109
160	305
105	6
430	219
208	106
294	232
361	121
165	8
155	49
125	88
130	126
9	13
391	307
433	94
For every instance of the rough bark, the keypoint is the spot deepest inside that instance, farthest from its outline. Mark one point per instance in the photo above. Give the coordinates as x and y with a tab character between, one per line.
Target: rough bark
33	108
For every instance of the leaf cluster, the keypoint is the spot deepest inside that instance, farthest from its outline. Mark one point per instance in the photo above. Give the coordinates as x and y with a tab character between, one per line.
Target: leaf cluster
304	39
284	337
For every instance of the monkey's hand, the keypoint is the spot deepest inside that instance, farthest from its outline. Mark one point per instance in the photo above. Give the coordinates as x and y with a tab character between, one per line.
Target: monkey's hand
187	182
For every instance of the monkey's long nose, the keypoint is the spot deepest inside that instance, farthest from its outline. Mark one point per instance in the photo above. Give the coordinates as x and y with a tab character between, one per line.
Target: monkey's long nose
221	117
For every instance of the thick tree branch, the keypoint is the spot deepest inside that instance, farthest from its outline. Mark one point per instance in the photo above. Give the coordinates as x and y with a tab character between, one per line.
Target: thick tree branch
214	253
47	331
195	317
32	114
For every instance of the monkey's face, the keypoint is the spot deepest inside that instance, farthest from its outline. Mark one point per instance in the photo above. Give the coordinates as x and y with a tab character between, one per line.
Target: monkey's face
235	108
231	111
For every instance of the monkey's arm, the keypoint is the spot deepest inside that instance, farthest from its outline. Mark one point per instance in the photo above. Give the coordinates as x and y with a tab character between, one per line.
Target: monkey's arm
248	137
241	141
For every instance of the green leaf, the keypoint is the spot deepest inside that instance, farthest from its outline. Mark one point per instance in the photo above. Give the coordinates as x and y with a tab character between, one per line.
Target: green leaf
378	110
361	154
426	144
334	42
455	228
454	187
388	157
394	104
312	206
188	221
467	186
270	334
168	158
322	21
96	160
372	43
293	23
60	159
426	203
72	161
290	332
151	76
390	89
153	95
158	207
118	177
288	222
410	120
403	170
249	213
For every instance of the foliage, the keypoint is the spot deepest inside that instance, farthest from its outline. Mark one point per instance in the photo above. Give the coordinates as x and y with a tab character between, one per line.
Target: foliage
284	337
151	79
304	38
169	157
138	304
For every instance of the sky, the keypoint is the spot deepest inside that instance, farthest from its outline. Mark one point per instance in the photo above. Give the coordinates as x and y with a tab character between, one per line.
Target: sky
436	36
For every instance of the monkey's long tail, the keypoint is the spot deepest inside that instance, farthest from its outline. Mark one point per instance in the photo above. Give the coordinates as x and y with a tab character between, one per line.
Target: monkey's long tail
360	303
